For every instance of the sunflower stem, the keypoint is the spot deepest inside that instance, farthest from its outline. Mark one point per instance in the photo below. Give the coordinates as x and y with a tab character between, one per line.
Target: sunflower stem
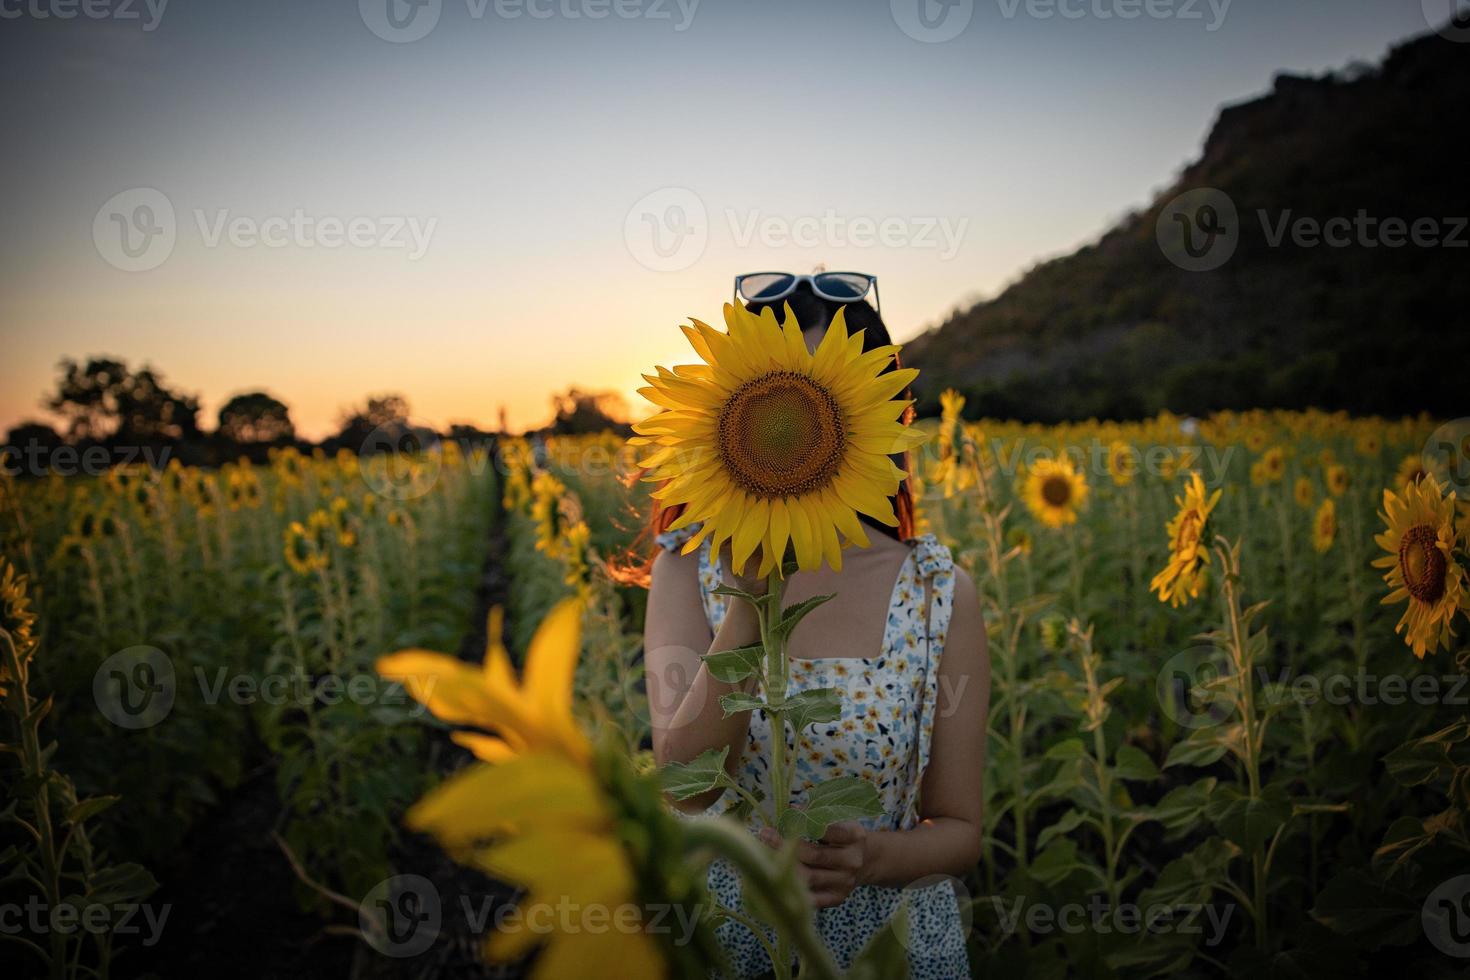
776	667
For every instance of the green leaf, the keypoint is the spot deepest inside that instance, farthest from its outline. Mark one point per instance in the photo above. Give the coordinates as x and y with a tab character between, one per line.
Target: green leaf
1249	822
818	705
1417	763
1181	806
844	798
87	809
1196	752
681	780
1192	878
1069	822
1132	762
1071	748
1373	913
119	884
792	615
1056	862
740	701
733	666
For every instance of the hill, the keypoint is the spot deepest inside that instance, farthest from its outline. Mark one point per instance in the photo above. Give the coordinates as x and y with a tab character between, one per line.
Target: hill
1119	329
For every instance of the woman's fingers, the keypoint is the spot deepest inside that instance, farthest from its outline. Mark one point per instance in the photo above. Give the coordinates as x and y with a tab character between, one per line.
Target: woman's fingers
825	856
843	832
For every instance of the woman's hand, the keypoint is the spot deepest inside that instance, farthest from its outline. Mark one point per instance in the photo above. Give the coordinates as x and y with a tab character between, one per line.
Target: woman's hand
832	868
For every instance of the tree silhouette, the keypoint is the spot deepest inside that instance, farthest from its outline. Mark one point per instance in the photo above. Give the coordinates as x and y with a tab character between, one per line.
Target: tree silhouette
104	400
256	417
579	411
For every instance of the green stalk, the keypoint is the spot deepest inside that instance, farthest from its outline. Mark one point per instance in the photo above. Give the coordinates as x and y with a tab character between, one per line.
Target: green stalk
35	769
795	924
768	610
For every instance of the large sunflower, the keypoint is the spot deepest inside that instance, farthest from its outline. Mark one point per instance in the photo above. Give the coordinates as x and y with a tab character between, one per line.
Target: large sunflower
1422	568
1189	551
768	442
1054	491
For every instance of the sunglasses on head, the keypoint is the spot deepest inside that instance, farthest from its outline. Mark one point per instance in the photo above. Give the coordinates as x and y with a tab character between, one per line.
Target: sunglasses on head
836	287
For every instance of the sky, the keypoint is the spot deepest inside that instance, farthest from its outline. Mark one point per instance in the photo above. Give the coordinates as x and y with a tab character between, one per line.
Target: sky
477	203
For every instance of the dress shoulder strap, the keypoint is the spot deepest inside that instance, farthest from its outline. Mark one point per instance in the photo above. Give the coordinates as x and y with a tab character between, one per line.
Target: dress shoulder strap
935	566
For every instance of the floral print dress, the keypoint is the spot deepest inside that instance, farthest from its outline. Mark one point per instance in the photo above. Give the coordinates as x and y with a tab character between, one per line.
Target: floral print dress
883	735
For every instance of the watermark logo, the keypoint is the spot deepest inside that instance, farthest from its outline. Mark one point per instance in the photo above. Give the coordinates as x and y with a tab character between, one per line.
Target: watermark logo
1199	230
1449	18
400	21
401	916
1446	917
932	21
135	229
667	230
135	688
398	460
1446	454
1189	687
925	932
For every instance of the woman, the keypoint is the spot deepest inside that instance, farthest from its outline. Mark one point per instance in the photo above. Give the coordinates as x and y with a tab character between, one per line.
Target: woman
904	643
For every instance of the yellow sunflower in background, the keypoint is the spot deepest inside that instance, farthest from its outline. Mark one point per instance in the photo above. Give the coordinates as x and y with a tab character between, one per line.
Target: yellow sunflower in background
1054	491
1423	570
1324	525
1270	468
1411	470
1304	492
1337	479
539	816
16	619
1122	463
767	442
1184	576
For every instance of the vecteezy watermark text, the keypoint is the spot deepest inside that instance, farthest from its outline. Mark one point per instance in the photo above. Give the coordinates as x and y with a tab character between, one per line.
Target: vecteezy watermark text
150	12
38	918
403	21
1102	917
667	230
136	230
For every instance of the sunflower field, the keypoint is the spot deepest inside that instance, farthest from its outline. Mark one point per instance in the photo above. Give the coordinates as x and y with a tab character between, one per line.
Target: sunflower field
169	634
1228	725
1228	722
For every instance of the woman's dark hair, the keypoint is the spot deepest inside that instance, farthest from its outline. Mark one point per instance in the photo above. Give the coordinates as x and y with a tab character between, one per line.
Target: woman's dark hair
809	309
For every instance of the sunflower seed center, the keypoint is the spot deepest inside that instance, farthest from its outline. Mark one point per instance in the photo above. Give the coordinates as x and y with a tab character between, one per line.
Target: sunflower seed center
781	434
1056	490
1422	563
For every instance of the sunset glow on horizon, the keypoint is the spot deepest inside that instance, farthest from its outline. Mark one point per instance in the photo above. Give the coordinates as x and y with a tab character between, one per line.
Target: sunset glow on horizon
502	210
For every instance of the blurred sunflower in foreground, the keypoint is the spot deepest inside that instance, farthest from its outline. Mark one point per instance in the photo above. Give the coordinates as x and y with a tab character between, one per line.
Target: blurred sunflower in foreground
1054	491
1421	540
1189	551
568	821
768	442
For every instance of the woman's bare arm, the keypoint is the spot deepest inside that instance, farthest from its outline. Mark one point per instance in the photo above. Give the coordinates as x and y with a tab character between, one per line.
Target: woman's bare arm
948	838
684	700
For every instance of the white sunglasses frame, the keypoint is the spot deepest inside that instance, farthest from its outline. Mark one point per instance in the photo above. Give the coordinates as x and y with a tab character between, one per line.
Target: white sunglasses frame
812	281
